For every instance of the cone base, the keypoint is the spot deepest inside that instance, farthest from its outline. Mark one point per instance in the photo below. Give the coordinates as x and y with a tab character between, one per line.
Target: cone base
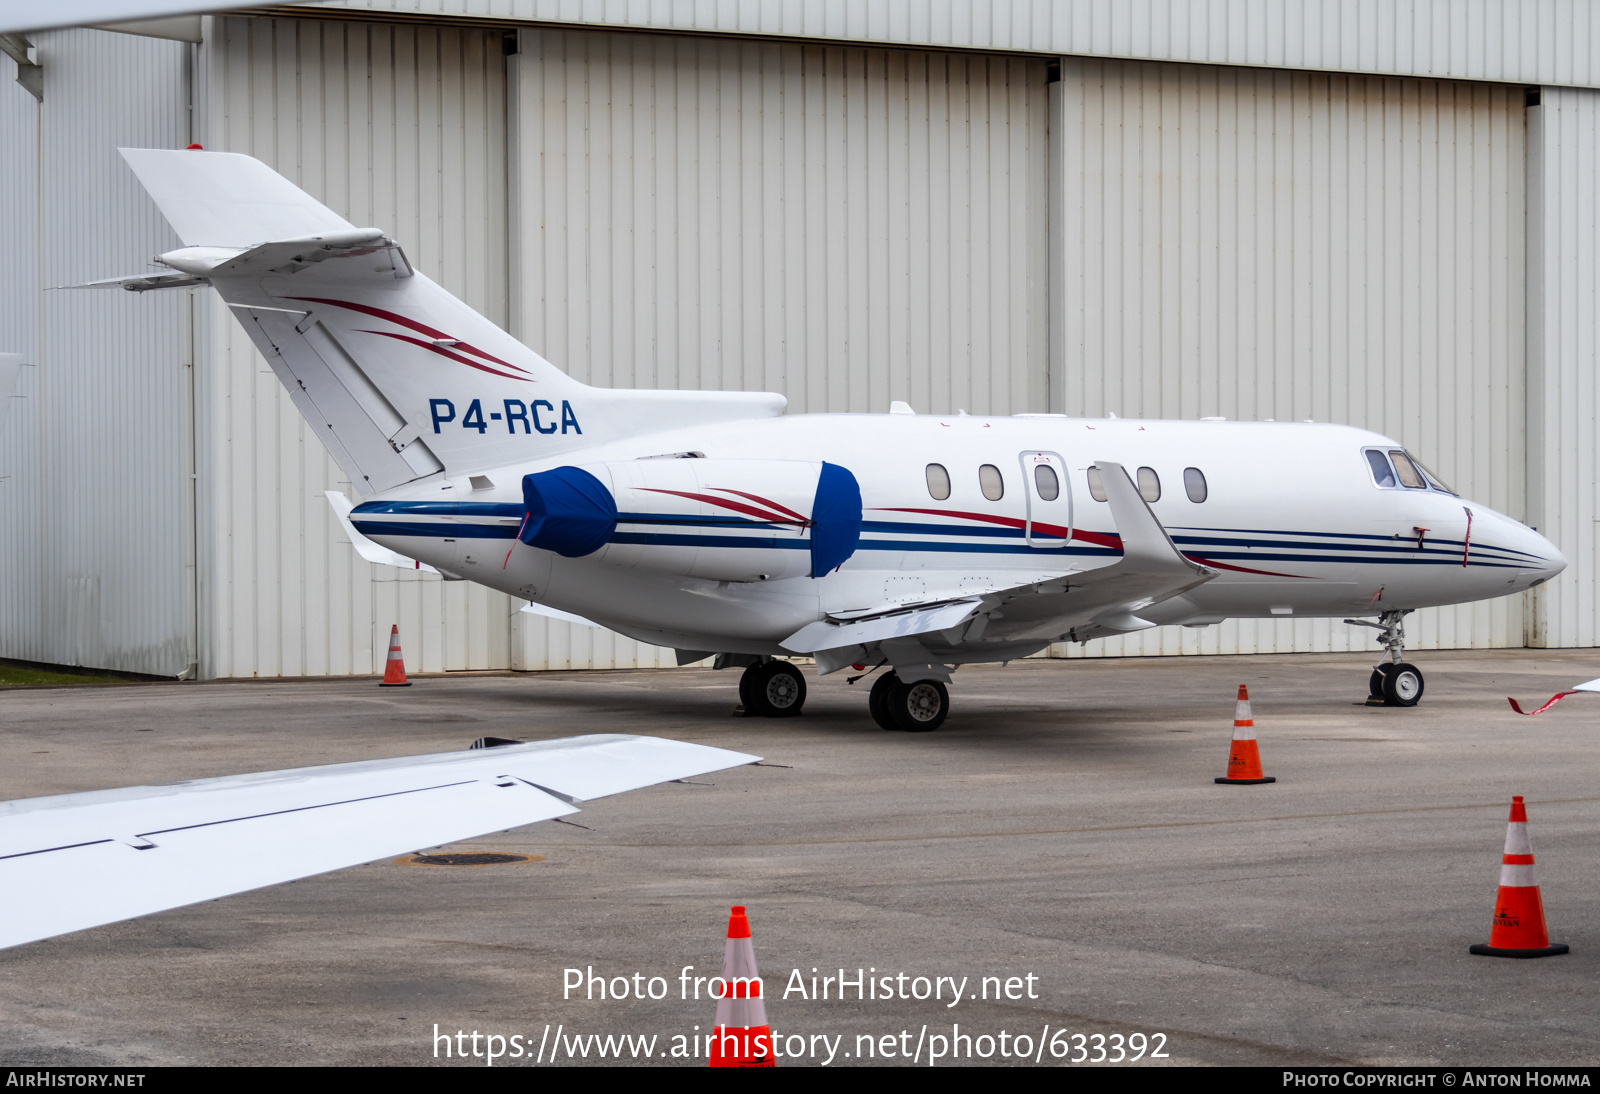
404	685
1245	782
1491	951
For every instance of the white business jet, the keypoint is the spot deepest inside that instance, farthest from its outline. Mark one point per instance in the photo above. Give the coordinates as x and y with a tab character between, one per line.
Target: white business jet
712	523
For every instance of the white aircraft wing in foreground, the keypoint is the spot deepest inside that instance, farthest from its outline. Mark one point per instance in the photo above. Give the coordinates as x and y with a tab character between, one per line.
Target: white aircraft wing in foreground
82	860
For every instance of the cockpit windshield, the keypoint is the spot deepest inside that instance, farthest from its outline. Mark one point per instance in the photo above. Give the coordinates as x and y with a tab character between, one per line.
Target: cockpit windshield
1433	480
1397	469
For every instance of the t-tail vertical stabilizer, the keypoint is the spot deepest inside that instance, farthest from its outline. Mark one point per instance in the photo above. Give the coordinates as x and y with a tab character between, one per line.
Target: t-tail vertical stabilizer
399	378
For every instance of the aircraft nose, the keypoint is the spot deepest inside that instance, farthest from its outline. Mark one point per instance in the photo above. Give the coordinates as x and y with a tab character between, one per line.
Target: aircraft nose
1553	560
1539	559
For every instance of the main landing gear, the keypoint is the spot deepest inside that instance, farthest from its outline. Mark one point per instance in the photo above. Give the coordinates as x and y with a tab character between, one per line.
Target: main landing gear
772	689
1393	683
913	708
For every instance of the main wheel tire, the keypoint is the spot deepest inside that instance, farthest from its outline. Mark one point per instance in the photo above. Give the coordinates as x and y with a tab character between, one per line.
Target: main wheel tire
1402	685
777	690
878	700
745	679
919	707
1375	683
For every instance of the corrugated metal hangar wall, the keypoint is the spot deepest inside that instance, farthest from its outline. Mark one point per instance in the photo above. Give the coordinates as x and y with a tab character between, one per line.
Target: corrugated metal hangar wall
846	224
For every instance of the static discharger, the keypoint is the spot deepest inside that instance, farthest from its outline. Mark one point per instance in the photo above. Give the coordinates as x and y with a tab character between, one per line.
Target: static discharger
742	1036
394	671
1244	758
1519	929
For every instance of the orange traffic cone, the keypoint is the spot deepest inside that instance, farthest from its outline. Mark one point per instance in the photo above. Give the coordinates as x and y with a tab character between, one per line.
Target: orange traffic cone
1244	759
742	1037
394	673
1519	929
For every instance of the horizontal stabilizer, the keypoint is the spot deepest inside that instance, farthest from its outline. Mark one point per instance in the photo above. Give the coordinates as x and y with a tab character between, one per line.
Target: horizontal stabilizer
100	857
142	282
223	199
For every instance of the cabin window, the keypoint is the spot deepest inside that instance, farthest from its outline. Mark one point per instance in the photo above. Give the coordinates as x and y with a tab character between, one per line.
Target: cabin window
1097	485
1382	473
938	481
1045	481
1194	484
1410	477
1149	484
994	487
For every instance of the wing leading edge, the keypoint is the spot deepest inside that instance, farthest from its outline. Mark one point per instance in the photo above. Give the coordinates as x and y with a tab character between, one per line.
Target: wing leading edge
84	860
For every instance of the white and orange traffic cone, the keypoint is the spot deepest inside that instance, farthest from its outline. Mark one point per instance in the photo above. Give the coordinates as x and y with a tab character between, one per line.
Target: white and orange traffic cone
1519	929
394	672
1244	758
742	1037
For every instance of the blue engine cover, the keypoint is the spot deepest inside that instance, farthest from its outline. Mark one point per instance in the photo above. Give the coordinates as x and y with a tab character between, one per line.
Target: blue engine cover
835	519
572	513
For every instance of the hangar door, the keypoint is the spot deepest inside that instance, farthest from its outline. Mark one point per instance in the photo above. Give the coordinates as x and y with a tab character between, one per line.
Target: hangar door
845	226
1273	245
396	126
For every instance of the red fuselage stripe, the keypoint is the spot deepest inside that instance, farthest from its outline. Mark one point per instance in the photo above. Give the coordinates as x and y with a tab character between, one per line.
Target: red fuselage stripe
1054	531
759	500
748	510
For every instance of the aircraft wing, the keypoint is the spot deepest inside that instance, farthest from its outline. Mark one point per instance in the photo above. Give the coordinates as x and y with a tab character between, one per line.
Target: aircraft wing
1108	600
83	860
1081	604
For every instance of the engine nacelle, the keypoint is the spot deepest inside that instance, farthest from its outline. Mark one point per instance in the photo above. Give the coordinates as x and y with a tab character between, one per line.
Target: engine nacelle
723	520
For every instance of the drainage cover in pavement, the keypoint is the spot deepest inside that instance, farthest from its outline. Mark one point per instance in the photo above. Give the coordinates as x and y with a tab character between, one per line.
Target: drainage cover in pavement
467	858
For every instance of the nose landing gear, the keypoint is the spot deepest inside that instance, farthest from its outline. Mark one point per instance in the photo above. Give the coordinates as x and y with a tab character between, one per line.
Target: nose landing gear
1394	682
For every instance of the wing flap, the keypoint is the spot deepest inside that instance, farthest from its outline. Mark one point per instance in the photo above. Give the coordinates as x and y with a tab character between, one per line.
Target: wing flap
827	635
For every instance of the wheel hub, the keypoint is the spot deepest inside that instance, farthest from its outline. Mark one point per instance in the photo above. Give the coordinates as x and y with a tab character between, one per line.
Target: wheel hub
1406	685
922	703
782	691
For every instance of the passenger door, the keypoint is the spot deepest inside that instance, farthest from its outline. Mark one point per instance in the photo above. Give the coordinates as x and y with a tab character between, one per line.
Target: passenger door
1048	522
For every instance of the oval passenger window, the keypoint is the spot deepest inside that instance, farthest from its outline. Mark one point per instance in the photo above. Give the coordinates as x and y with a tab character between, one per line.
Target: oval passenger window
994	487
1194	484
1045	481
1097	485
1149	484
938	481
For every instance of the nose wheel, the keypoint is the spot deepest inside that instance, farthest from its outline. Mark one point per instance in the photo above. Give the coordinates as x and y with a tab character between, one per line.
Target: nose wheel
1394	682
1395	685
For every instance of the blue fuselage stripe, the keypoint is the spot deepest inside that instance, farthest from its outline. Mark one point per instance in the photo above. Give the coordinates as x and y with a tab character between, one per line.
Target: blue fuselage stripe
1380	550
